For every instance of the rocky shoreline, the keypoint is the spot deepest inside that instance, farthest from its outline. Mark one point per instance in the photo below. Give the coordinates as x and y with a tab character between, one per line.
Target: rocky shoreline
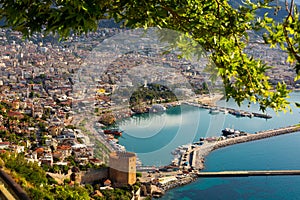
183	181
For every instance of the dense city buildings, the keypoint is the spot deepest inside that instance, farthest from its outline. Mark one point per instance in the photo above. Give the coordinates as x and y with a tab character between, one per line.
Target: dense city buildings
52	95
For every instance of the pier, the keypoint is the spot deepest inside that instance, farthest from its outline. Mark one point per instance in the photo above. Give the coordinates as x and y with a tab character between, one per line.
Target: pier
248	173
235	112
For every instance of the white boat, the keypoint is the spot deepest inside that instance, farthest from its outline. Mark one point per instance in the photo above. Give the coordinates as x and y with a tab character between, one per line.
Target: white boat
224	110
157	108
214	111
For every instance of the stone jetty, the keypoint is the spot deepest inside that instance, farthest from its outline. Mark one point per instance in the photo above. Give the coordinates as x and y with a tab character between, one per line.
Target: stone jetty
194	156
247	173
257	136
189	159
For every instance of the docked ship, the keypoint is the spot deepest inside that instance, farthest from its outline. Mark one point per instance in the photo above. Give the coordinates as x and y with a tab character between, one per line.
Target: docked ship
214	111
157	108
230	131
114	132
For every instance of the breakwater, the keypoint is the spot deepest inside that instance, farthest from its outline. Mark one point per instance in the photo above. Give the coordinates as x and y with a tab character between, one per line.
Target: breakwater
179	182
257	136
194	155
249	173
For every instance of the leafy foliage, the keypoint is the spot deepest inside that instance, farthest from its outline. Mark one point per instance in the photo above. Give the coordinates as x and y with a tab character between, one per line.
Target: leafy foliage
120	194
152	92
34	180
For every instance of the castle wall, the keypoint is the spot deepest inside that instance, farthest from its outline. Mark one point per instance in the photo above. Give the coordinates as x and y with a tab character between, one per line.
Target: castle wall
93	175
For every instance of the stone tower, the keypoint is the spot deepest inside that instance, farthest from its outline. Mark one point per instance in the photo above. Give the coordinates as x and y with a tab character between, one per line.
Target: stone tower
122	168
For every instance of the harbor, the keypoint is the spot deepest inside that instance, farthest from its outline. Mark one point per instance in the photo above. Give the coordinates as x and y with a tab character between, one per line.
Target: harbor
189	160
192	156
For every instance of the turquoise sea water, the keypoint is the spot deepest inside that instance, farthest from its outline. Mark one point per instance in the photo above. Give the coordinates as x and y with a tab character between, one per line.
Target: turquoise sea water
153	137
280	152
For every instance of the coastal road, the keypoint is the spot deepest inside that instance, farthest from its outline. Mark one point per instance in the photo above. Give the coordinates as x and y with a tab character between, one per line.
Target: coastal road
90	127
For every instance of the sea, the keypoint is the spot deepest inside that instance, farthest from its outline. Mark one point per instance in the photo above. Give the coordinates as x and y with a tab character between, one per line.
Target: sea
155	136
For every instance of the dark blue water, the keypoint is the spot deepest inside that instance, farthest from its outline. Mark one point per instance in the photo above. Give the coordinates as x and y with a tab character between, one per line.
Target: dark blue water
153	137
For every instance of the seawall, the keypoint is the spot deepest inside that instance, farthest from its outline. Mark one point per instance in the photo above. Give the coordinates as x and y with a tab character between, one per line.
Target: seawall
249	173
199	153
257	136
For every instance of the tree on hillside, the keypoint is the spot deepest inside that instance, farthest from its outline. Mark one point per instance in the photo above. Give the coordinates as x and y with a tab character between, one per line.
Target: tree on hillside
219	27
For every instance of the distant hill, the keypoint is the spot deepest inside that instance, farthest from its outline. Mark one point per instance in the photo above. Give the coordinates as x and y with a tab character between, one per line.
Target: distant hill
271	12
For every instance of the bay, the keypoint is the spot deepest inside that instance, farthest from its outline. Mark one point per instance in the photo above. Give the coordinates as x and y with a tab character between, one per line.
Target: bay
157	135
154	136
277	153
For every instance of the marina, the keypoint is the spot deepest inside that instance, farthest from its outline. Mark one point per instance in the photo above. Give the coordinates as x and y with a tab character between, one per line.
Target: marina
189	159
190	152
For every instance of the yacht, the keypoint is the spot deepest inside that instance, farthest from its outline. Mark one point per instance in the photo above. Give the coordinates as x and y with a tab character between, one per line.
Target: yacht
214	111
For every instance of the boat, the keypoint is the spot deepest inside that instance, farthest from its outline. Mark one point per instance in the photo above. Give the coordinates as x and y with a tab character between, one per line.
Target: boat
231	131
228	131
237	113
224	110
114	132
214	111
157	108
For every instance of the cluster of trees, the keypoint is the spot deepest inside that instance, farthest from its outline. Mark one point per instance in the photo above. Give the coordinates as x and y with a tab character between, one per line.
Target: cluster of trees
122	194
26	172
107	118
150	94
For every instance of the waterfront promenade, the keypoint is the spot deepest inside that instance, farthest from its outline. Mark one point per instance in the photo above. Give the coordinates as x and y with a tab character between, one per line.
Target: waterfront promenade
198	154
